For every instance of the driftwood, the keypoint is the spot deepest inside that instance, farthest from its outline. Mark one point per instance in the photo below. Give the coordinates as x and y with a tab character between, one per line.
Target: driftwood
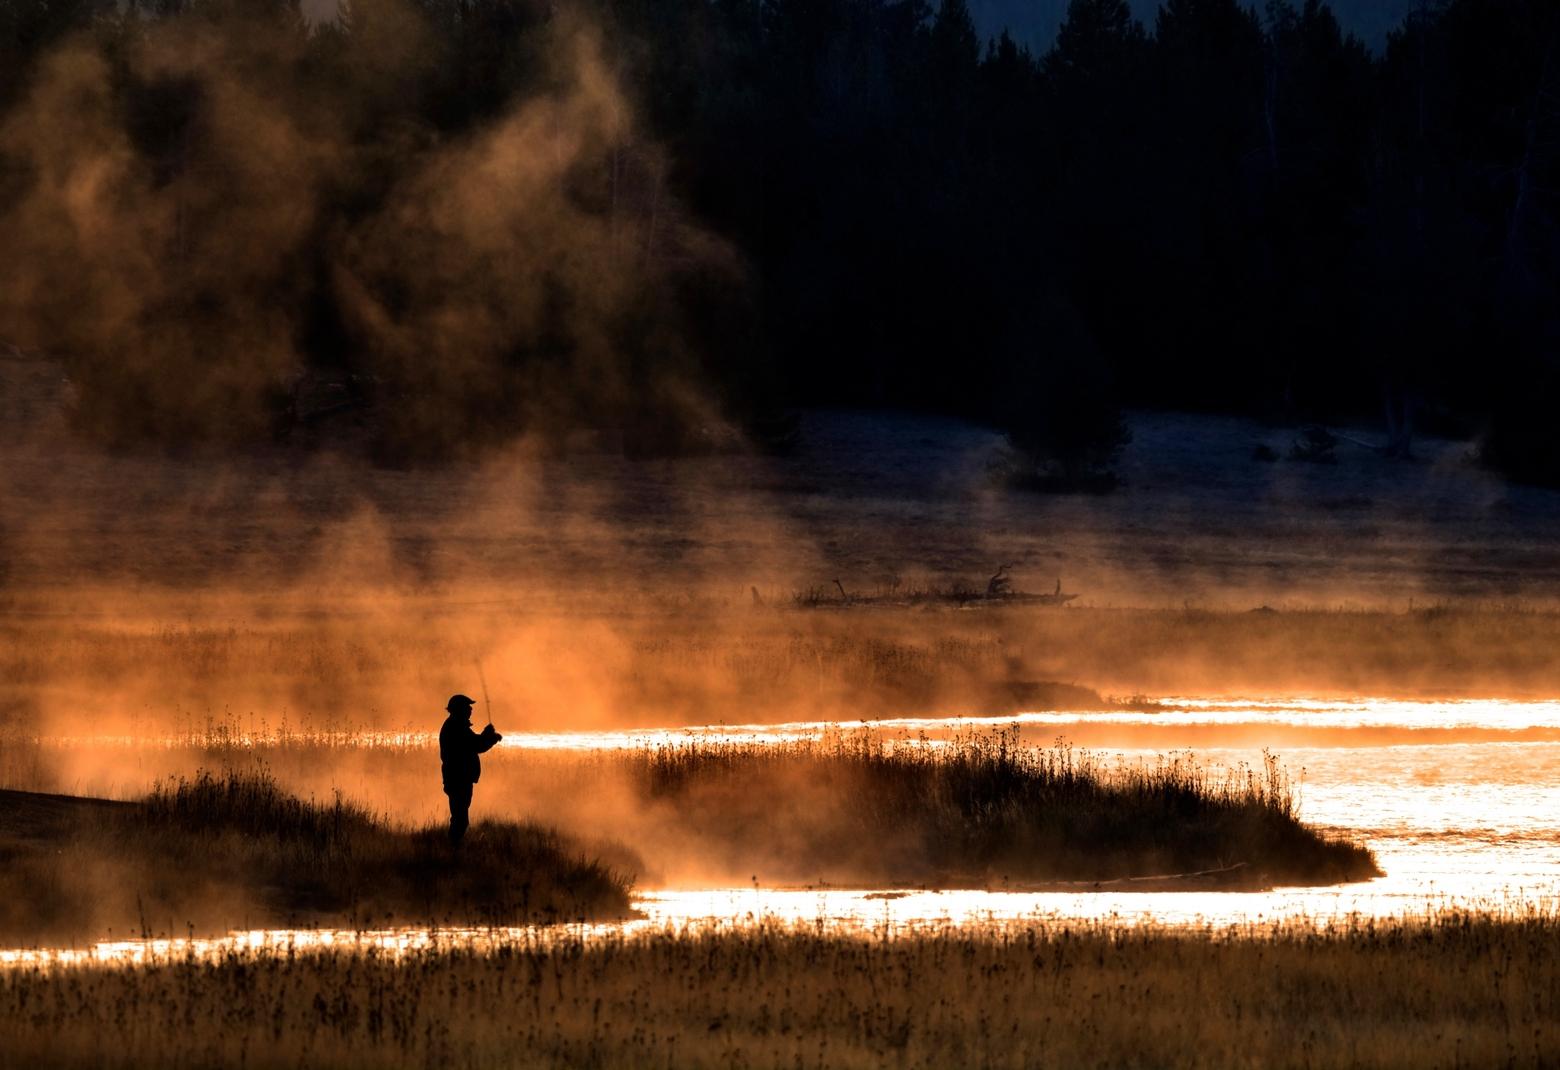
999	591
1000	586
1055	598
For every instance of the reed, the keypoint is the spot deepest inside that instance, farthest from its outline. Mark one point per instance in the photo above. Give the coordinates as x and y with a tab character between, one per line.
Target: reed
1443	990
984	808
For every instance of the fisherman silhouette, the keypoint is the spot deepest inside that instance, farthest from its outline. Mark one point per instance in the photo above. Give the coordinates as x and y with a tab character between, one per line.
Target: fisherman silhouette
459	747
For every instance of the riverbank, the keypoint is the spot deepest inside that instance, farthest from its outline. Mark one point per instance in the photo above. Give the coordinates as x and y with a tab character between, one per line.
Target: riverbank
220	852
1439	991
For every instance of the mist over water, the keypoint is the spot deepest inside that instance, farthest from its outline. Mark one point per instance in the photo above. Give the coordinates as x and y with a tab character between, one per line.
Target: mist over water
1470	823
770	411
1474	824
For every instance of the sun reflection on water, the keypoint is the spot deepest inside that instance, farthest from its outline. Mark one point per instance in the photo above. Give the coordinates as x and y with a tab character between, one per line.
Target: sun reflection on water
878	915
1466	822
1171	713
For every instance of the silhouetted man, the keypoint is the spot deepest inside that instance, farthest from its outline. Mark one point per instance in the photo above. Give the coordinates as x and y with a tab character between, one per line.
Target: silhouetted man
458	750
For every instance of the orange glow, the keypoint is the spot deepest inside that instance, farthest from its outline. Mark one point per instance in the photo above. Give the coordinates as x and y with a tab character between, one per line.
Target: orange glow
1465	822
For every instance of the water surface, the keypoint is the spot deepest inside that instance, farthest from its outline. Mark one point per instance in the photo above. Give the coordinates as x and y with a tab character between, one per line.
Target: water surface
1459	800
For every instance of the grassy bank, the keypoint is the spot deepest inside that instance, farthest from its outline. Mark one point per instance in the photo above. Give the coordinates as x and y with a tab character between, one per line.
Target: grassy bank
218	852
1450	990
982	810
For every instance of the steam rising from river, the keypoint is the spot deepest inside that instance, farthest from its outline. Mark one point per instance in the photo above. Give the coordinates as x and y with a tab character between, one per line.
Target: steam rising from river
181	204
316	610
1464	824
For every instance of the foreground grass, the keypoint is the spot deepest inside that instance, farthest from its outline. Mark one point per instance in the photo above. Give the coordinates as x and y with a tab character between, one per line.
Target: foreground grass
1448	990
221	851
986	809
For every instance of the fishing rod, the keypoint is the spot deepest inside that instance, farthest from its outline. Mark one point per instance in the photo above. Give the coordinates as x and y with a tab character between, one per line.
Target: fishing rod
487	704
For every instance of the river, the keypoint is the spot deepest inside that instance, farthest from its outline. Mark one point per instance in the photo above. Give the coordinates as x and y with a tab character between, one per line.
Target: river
1459	800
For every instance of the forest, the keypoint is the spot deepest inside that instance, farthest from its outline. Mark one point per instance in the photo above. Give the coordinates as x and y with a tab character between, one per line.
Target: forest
452	222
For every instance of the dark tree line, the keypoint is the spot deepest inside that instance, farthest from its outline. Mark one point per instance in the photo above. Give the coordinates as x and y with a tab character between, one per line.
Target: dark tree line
861	202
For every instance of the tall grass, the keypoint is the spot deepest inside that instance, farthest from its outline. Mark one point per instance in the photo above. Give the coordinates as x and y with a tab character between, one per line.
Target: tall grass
217	851
1441	991
985	808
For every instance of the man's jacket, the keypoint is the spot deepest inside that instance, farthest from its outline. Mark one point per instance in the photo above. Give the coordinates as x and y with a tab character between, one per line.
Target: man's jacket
458	750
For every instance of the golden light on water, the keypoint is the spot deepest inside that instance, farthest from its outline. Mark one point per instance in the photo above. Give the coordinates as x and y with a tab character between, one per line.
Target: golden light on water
878	915
1460	800
1169	714
391	943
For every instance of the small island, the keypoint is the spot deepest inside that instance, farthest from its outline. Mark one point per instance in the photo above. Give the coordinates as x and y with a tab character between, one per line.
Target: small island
983	810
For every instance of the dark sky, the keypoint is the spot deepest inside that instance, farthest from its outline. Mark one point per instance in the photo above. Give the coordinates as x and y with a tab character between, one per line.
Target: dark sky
1034	22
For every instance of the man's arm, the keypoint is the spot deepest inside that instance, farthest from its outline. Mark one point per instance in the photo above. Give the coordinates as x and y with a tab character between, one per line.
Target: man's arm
486	741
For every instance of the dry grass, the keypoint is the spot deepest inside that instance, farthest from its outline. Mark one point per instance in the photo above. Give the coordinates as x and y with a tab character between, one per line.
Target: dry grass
986	809
216	852
1448	990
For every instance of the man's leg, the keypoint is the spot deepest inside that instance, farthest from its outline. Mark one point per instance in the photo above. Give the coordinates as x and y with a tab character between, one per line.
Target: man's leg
460	811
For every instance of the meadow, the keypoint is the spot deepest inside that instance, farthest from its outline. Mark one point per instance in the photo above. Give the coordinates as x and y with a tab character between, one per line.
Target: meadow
1449	989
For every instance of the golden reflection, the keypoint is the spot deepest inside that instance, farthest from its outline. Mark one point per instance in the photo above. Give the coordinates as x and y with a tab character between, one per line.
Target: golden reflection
877	915
391	943
1470	824
1466	715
